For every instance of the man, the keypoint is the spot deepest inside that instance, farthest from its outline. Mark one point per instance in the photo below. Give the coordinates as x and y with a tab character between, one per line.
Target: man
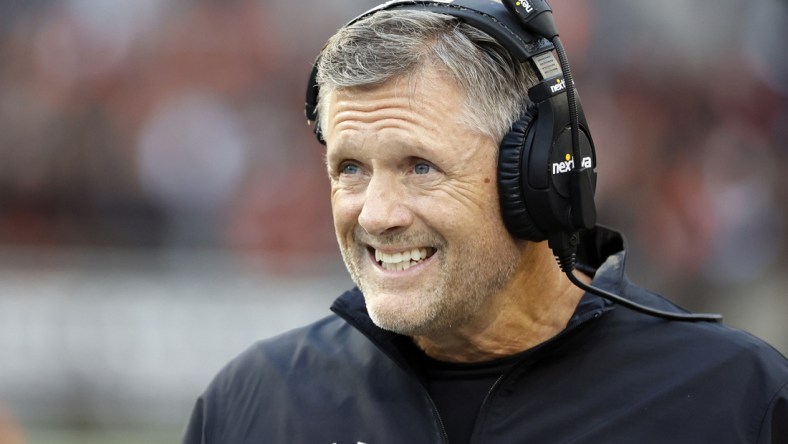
462	328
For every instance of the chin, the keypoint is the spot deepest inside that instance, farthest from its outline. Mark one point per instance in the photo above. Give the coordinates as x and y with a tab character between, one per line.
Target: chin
403	317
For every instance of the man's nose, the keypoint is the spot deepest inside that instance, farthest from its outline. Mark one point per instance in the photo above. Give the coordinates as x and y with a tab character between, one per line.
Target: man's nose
385	209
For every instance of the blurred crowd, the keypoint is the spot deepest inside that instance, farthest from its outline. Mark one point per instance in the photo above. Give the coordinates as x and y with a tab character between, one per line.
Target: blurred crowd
153	124
159	124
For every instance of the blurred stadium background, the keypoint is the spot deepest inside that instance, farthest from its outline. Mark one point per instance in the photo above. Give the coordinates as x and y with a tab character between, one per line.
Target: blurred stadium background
163	204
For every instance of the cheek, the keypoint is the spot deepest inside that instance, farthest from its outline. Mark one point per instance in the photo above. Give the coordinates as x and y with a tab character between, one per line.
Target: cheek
475	204
345	210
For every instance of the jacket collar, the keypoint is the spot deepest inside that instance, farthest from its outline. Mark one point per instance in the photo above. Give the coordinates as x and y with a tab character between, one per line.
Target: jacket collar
602	255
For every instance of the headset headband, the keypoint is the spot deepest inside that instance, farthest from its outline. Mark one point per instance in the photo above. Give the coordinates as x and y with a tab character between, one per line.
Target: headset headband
486	15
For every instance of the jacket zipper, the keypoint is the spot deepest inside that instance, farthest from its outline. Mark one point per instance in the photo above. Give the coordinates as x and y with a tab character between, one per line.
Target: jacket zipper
437	416
487	398
485	403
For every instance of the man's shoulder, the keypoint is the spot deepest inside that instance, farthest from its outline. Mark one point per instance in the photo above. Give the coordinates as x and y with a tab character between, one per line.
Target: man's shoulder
304	385
706	333
704	378
676	340
728	343
700	345
322	340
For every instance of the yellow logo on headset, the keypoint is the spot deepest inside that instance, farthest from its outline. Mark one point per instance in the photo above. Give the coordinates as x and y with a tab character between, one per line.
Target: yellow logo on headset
526	5
558	87
567	165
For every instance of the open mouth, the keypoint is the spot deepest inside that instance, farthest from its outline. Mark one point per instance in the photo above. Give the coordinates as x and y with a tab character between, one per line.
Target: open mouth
402	260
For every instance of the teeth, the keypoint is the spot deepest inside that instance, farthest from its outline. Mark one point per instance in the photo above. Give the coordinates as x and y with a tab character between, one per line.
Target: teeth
400	261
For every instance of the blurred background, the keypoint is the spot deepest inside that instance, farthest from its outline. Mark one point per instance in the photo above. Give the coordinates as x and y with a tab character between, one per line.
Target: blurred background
163	203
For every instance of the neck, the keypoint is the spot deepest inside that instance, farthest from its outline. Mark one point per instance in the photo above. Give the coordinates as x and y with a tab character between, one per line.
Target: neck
533	307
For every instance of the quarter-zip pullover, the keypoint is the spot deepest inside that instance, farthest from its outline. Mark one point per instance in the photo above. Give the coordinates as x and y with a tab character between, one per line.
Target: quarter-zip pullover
612	376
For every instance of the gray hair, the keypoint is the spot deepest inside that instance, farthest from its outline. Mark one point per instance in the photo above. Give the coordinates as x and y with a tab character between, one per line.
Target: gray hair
398	43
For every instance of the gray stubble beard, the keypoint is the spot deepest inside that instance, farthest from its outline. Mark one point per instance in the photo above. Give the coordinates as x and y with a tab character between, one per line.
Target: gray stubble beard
452	303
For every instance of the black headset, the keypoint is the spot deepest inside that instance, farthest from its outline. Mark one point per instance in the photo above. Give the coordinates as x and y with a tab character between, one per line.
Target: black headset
547	161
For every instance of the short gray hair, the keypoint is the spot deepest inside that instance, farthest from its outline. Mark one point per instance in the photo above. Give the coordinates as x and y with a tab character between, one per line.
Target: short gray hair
396	43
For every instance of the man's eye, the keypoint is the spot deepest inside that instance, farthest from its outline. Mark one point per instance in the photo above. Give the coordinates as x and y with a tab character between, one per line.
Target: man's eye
349	168
422	168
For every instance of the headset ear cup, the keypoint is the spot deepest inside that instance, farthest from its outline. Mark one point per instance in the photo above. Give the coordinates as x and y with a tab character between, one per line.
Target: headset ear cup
510	175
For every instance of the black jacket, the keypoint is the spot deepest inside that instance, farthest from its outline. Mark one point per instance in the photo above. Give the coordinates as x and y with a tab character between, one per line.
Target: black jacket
612	376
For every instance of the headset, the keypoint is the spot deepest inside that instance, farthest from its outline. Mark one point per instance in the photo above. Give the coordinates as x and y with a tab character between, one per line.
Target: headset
547	160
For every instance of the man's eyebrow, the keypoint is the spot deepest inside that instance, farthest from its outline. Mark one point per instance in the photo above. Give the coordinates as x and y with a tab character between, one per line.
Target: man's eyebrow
341	150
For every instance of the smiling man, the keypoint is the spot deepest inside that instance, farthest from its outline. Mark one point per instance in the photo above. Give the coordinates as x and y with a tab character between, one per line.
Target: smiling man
417	218
462	327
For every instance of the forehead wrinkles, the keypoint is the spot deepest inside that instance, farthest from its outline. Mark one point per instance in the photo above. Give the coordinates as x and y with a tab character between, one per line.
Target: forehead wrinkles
407	98
382	113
